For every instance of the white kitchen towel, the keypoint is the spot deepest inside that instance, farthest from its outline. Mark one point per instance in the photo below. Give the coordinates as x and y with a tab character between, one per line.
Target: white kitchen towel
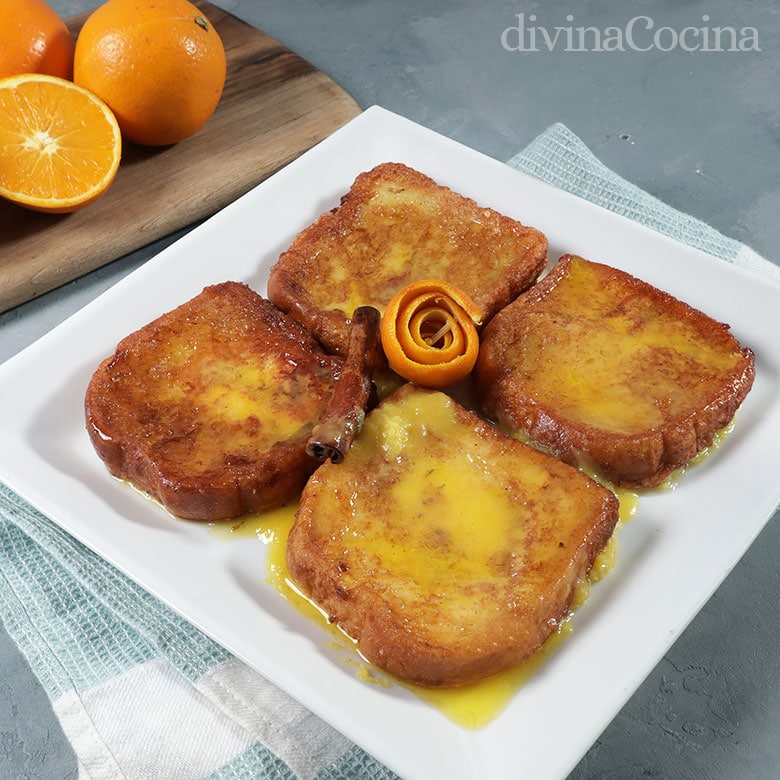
140	692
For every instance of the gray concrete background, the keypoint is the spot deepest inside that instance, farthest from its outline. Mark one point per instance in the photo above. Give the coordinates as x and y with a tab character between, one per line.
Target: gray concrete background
699	130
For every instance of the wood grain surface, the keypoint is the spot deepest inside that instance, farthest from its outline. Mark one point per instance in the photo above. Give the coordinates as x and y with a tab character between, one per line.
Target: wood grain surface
274	107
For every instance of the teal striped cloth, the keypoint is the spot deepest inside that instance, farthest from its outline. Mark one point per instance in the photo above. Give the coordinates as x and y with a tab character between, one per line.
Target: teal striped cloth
559	157
140	692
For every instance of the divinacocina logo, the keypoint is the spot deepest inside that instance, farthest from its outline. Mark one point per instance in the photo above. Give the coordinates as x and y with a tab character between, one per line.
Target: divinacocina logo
640	33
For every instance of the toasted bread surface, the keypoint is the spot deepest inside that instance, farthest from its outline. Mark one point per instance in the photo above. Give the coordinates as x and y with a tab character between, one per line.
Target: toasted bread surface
393	227
208	408
611	373
448	550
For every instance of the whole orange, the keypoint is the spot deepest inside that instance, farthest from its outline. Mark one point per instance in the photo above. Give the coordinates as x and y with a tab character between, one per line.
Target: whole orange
159	65
34	39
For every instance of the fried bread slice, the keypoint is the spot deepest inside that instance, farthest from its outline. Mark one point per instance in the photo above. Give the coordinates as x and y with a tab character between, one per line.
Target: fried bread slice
448	550
611	373
396	226
209	408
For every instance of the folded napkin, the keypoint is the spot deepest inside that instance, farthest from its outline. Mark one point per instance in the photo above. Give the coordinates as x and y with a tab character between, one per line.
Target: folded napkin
140	692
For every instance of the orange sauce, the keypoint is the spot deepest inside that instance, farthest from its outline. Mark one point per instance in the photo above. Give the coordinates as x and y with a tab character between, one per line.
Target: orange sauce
471	706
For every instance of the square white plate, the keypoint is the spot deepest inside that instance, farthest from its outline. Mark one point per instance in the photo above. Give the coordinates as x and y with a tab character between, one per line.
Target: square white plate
672	555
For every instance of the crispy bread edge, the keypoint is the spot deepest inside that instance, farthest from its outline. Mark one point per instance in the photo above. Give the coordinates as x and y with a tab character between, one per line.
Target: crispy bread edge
377	627
331	327
244	488
632	461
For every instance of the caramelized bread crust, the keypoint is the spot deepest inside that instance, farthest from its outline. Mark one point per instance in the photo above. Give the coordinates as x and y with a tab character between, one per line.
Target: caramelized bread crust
209	407
393	227
611	373
448	550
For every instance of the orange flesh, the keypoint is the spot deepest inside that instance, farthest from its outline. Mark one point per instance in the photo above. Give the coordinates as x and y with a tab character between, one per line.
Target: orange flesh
59	145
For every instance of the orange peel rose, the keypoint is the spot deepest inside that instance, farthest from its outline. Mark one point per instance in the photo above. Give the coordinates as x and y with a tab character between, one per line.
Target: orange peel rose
429	333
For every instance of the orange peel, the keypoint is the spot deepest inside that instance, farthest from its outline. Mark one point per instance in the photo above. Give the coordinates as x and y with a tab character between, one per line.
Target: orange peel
429	333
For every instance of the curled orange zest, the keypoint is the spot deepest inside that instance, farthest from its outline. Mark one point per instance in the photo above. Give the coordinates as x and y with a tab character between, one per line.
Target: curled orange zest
429	333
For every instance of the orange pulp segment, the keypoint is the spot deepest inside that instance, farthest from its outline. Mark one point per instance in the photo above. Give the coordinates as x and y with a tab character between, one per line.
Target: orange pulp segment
60	145
429	333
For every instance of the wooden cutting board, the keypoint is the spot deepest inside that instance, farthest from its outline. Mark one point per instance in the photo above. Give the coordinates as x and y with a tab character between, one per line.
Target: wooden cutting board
274	107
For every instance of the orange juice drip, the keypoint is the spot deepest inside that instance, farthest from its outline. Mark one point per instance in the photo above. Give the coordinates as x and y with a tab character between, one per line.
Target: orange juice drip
472	706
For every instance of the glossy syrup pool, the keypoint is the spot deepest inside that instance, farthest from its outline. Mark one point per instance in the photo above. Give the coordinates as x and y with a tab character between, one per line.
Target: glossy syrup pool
472	706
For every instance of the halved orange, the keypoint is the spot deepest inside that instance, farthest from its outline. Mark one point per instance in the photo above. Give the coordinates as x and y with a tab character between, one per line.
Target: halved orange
60	145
